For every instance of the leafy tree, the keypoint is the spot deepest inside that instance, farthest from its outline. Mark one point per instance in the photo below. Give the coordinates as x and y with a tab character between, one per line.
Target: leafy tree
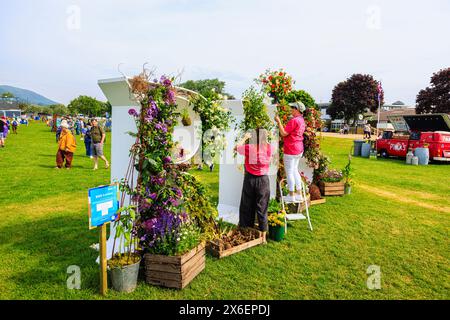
87	106
7	95
303	96
58	109
354	96
435	98
209	88
24	107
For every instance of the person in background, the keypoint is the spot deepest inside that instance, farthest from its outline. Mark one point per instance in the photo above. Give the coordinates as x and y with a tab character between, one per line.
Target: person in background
66	147
367	131
293	149
346	129
14	125
256	189
3	129
98	138
77	127
87	141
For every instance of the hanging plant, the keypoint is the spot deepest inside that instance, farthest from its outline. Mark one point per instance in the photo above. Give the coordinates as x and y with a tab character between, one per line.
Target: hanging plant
186	118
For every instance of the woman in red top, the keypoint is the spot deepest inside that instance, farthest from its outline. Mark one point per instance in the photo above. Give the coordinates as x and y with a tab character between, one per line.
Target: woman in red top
293	149
256	188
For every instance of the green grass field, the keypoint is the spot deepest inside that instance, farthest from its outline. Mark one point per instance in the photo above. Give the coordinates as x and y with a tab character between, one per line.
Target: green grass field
397	218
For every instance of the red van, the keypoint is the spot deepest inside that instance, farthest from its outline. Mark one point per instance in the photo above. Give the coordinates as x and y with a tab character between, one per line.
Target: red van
418	131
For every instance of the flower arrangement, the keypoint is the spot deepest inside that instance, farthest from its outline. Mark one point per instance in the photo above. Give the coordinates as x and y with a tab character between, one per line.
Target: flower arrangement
277	84
321	167
332	175
277	219
215	121
276	216
171	235
165	225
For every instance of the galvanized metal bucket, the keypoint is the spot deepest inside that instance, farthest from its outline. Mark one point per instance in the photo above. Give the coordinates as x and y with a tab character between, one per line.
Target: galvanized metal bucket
124	279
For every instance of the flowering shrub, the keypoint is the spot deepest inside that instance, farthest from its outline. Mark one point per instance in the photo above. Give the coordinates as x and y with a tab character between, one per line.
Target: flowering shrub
164	225
170	234
332	176
311	141
321	167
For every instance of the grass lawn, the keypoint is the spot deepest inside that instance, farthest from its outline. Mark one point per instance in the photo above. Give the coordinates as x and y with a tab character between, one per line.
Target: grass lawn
397	218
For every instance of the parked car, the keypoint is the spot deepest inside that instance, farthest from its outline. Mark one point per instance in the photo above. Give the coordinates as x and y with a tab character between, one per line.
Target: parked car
432	131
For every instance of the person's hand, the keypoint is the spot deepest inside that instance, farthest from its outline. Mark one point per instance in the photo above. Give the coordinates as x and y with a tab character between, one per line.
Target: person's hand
277	118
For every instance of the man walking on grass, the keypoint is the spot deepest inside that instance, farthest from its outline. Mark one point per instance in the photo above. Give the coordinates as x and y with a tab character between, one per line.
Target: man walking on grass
98	138
66	147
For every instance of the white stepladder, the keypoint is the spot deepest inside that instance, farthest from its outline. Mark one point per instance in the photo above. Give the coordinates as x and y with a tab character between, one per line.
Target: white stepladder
298	215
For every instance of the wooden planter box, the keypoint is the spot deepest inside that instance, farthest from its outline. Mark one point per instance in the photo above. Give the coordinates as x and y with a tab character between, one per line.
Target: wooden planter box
215	251
174	271
332	188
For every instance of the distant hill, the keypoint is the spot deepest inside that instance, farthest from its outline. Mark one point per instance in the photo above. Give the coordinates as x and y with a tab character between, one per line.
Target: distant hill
27	96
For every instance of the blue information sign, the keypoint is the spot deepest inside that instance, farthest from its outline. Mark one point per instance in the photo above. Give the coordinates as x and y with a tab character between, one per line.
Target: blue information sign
103	205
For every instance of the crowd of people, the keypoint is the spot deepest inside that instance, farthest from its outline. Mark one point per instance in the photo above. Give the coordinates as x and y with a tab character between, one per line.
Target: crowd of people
7	125
92	134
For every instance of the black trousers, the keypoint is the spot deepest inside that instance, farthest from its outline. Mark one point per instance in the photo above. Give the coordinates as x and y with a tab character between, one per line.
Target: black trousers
254	201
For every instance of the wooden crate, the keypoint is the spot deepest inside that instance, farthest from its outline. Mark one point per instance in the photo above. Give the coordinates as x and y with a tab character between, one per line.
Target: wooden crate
215	251
174	271
332	188
318	201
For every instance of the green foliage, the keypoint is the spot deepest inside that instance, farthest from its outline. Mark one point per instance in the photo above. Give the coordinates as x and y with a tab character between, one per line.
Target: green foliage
302	96
125	226
348	173
190	237
209	88
88	106
58	109
274	206
215	121
398	229
255	111
197	203
185	117
7	95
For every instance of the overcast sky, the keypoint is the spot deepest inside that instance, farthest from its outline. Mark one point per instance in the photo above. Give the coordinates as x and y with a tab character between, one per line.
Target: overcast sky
61	48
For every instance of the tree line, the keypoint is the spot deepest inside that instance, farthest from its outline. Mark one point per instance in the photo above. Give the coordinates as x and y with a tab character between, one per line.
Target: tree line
349	99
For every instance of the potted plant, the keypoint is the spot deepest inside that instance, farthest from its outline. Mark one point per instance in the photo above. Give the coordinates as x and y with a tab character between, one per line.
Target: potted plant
348	174
186	118
276	220
124	265
331	183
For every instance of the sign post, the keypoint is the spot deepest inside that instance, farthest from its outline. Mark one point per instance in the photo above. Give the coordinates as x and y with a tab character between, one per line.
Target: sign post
103	207
103	261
